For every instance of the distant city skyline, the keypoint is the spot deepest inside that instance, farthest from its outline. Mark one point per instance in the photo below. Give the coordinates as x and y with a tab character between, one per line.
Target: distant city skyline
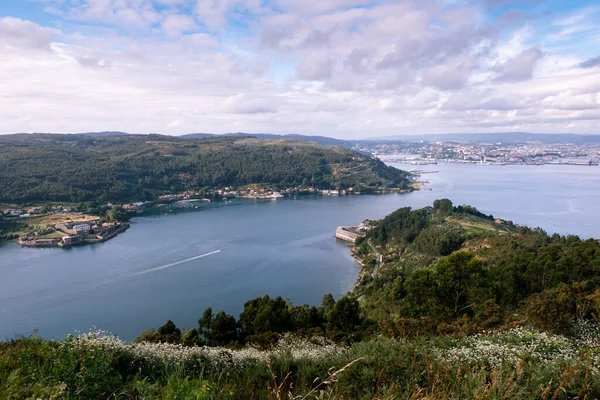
347	69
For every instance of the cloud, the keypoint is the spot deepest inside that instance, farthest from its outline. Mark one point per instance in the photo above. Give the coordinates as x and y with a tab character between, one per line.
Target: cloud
316	67
572	101
244	104
25	35
174	25
591	63
346	68
447	77
521	67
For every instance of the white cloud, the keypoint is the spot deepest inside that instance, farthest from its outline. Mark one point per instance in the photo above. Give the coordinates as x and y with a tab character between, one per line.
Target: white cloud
25	35
520	67
176	24
346	68
316	67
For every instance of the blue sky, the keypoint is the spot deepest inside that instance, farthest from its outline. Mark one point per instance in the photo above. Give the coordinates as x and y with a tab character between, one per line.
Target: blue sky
342	68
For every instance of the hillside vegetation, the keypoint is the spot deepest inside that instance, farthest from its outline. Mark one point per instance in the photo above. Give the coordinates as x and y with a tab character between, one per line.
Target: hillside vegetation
462	306
76	168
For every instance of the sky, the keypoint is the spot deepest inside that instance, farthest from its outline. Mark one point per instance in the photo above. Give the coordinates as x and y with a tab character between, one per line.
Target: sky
340	68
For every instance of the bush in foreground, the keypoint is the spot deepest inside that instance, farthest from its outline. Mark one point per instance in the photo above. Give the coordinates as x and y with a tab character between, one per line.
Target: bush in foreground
520	363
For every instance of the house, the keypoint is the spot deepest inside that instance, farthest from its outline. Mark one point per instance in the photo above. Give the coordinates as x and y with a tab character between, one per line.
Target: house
81	228
69	240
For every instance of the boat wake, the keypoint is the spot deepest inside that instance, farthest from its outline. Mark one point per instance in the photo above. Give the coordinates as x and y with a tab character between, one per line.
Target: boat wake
177	263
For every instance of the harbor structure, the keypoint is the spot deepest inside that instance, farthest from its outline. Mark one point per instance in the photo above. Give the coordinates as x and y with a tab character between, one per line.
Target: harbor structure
352	233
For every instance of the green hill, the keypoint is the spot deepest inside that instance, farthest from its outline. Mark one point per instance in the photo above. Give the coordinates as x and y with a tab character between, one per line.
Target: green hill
76	168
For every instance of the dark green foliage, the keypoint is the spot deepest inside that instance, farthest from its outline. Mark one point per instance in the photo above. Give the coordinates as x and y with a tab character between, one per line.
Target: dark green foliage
328	302
459	278
421	294
192	338
264	319
217	330
442	207
77	168
9	225
470	210
402	226
345	316
439	240
168	328
556	309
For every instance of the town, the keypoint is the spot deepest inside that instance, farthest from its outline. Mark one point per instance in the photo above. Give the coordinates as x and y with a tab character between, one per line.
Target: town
530	153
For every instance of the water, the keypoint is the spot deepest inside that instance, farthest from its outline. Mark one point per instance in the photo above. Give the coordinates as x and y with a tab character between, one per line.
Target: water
174	266
557	198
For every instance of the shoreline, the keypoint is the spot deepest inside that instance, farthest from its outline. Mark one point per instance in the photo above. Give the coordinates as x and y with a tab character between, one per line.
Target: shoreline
41	242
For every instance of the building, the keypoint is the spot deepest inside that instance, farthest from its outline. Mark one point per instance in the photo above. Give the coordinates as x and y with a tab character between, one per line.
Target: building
349	233
71	240
81	228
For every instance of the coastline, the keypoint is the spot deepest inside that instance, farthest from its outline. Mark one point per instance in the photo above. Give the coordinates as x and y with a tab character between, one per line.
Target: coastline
38	240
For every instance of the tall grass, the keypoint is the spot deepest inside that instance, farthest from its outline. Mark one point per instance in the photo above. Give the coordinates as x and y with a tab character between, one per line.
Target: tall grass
519	363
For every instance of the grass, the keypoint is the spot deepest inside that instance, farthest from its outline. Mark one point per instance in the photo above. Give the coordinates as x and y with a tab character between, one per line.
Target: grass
503	365
53	219
480	225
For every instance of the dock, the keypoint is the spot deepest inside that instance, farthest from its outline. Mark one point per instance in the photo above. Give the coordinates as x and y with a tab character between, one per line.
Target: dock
351	233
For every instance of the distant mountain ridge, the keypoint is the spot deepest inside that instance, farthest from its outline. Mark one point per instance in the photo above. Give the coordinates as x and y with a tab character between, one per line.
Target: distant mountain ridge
503	138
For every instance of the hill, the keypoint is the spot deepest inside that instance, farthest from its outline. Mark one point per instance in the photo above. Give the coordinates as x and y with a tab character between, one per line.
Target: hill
76	168
326	141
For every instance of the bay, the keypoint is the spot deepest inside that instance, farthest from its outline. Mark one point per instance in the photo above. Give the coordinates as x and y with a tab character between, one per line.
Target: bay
174	266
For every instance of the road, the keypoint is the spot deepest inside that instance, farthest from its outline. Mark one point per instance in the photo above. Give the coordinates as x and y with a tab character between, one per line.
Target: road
376	259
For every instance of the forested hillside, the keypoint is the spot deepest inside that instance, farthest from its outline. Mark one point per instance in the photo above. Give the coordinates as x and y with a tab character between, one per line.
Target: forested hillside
453	269
78	168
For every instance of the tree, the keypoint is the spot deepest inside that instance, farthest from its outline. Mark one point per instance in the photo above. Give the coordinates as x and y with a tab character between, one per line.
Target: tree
459	275
553	310
263	315
328	302
442	207
421	294
345	316
192	338
169	332
205	323
223	330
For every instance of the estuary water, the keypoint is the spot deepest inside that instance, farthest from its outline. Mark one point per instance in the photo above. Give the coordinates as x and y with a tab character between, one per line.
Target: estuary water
174	266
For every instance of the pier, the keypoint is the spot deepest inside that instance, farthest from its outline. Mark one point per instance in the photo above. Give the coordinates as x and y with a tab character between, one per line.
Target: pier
351	233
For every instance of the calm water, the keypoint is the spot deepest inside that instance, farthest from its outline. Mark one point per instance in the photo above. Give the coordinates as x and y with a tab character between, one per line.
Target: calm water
284	247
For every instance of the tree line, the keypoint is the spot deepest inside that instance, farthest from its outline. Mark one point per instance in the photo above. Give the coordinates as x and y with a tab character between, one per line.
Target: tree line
75	168
264	319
